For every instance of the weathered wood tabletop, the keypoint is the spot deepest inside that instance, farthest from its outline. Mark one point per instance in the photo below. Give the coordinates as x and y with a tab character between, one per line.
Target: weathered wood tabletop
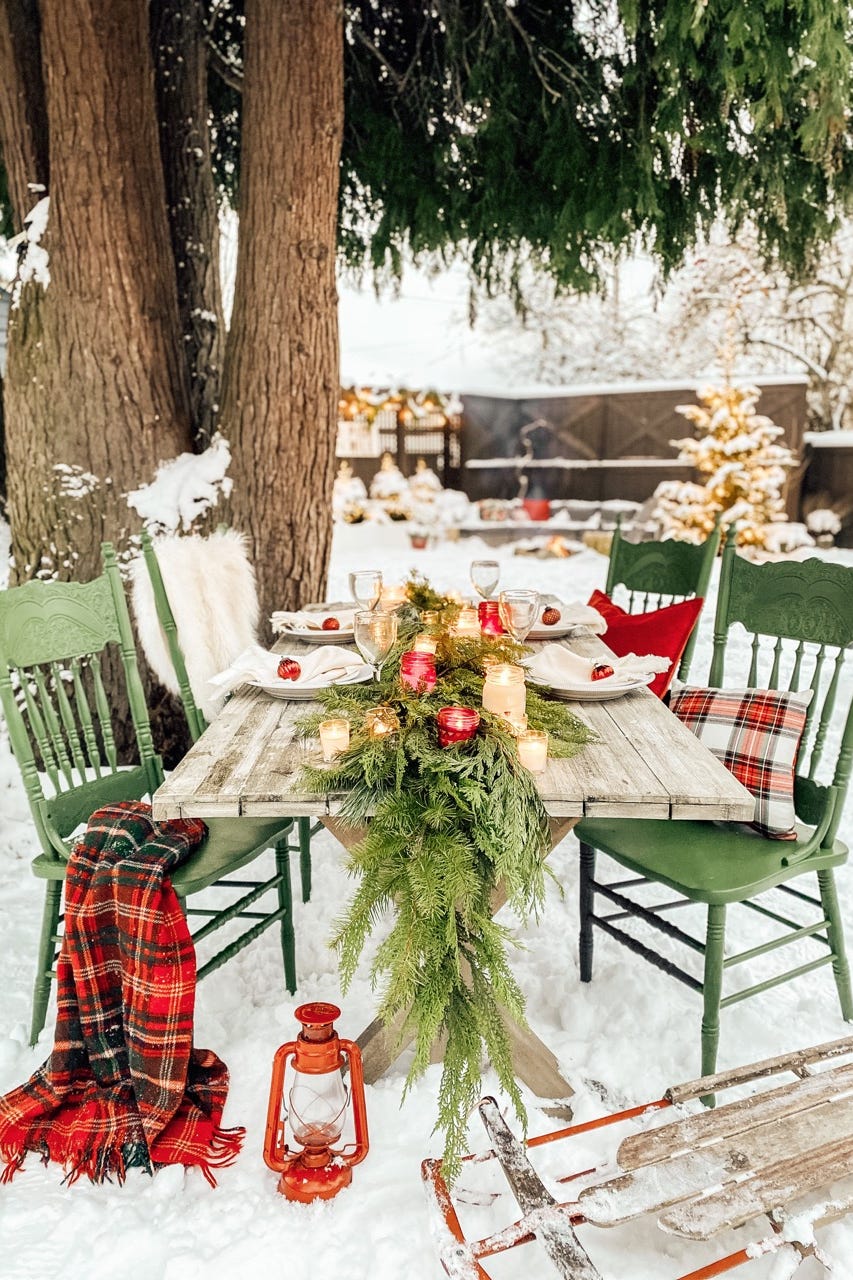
643	764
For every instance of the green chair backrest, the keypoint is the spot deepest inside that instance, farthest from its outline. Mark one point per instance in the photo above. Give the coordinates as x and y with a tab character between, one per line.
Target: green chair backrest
196	722
798	616
53	637
656	574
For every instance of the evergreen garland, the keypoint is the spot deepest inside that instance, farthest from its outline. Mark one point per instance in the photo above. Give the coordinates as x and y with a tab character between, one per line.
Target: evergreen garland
444	827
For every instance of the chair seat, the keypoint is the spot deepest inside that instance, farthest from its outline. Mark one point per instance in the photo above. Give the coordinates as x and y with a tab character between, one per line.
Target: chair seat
706	861
230	844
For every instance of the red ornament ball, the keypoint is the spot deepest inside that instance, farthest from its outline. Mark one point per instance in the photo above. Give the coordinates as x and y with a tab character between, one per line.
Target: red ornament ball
289	669
551	616
331	624
601	671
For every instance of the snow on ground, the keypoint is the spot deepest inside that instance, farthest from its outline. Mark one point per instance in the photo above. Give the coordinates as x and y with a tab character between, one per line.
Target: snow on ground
620	1040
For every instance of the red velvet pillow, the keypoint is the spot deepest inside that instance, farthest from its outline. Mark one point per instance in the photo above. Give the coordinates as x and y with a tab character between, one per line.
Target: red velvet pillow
662	631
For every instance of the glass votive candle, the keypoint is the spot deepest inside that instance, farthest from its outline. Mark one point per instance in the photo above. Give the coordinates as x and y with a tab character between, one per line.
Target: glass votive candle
417	671
456	724
517	725
381	722
504	690
334	738
425	644
533	749
429	617
488	613
467	625
392	597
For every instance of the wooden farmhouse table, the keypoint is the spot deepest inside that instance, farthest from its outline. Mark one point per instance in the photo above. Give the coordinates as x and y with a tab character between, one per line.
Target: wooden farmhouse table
642	763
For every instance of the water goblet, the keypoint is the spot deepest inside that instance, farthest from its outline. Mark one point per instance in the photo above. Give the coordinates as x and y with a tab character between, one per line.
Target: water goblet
375	635
366	587
485	576
519	610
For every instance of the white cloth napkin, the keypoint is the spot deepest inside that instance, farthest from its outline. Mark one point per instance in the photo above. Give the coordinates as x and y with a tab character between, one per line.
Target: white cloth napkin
555	664
320	667
310	619
574	614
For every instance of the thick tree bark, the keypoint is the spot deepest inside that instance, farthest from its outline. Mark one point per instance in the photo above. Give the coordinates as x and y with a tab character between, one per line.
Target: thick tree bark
280	391
23	121
180	77
95	378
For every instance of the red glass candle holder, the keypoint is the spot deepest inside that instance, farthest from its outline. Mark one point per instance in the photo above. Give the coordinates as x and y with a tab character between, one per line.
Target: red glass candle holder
488	611
417	670
456	724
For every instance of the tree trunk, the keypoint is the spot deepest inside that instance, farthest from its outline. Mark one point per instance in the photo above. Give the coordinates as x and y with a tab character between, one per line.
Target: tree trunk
280	393
180	71
95	378
23	122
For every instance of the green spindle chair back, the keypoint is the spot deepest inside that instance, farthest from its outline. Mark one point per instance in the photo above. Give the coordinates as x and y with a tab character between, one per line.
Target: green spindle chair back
53	638
655	574
796	624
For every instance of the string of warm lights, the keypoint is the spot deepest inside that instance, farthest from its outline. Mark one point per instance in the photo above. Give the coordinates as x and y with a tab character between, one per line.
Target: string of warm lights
410	406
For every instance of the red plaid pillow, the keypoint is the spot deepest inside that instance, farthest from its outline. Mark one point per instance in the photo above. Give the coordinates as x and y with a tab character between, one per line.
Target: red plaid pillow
756	734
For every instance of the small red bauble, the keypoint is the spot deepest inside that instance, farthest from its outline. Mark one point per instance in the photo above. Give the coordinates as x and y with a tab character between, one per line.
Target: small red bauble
331	624
289	669
601	671
551	616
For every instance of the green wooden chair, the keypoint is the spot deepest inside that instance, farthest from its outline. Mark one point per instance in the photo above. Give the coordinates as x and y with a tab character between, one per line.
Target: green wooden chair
55	639
656	574
800	617
195	720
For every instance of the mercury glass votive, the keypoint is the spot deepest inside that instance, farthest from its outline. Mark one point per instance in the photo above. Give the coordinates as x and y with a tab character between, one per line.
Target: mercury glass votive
381	722
533	749
429	617
334	738
456	724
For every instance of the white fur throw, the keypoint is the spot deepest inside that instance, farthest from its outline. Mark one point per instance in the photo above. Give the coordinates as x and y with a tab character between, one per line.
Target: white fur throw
210	585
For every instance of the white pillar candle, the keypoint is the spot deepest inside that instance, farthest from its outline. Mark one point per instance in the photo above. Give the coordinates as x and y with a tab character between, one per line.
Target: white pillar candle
533	749
334	738
504	691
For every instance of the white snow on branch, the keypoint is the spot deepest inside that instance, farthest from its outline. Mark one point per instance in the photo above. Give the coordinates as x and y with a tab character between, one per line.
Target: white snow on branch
33	259
184	488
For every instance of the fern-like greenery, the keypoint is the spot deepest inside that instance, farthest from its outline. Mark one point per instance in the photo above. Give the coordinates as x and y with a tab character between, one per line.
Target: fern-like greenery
443	828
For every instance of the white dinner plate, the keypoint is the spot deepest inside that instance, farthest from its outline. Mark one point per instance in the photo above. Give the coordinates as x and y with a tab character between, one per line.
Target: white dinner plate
559	629
313	635
595	691
302	693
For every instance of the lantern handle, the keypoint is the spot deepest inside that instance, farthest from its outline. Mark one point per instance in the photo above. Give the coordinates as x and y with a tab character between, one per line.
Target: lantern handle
276	1154
359	1106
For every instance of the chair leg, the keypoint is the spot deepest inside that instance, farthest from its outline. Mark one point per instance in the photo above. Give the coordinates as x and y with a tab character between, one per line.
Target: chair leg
285	902
304	828
586	901
712	988
835	934
46	956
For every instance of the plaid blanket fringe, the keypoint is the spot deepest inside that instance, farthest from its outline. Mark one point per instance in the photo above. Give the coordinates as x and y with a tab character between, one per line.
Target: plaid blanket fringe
123	1086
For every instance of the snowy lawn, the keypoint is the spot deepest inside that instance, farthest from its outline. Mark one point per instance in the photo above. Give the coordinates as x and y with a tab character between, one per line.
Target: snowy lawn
620	1040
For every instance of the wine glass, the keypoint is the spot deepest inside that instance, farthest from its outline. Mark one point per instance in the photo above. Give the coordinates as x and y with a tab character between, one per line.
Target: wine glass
375	634
485	576
366	587
519	610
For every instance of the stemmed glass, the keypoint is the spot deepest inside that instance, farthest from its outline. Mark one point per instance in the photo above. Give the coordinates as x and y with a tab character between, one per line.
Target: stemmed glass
375	634
519	611
366	587
485	576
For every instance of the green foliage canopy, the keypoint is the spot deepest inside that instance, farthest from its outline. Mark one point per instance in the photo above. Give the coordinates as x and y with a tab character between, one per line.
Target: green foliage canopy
519	130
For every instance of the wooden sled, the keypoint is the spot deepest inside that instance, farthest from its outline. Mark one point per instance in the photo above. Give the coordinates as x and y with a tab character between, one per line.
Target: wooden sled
699	1174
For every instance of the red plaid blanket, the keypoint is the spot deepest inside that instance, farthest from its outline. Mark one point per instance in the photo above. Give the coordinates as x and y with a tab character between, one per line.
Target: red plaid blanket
123	1086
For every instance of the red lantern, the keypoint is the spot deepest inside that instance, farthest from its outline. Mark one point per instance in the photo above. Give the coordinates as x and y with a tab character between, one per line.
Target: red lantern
489	614
315	1108
417	670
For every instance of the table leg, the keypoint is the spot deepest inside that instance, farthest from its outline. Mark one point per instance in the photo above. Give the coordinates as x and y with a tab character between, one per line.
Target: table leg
382	1043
